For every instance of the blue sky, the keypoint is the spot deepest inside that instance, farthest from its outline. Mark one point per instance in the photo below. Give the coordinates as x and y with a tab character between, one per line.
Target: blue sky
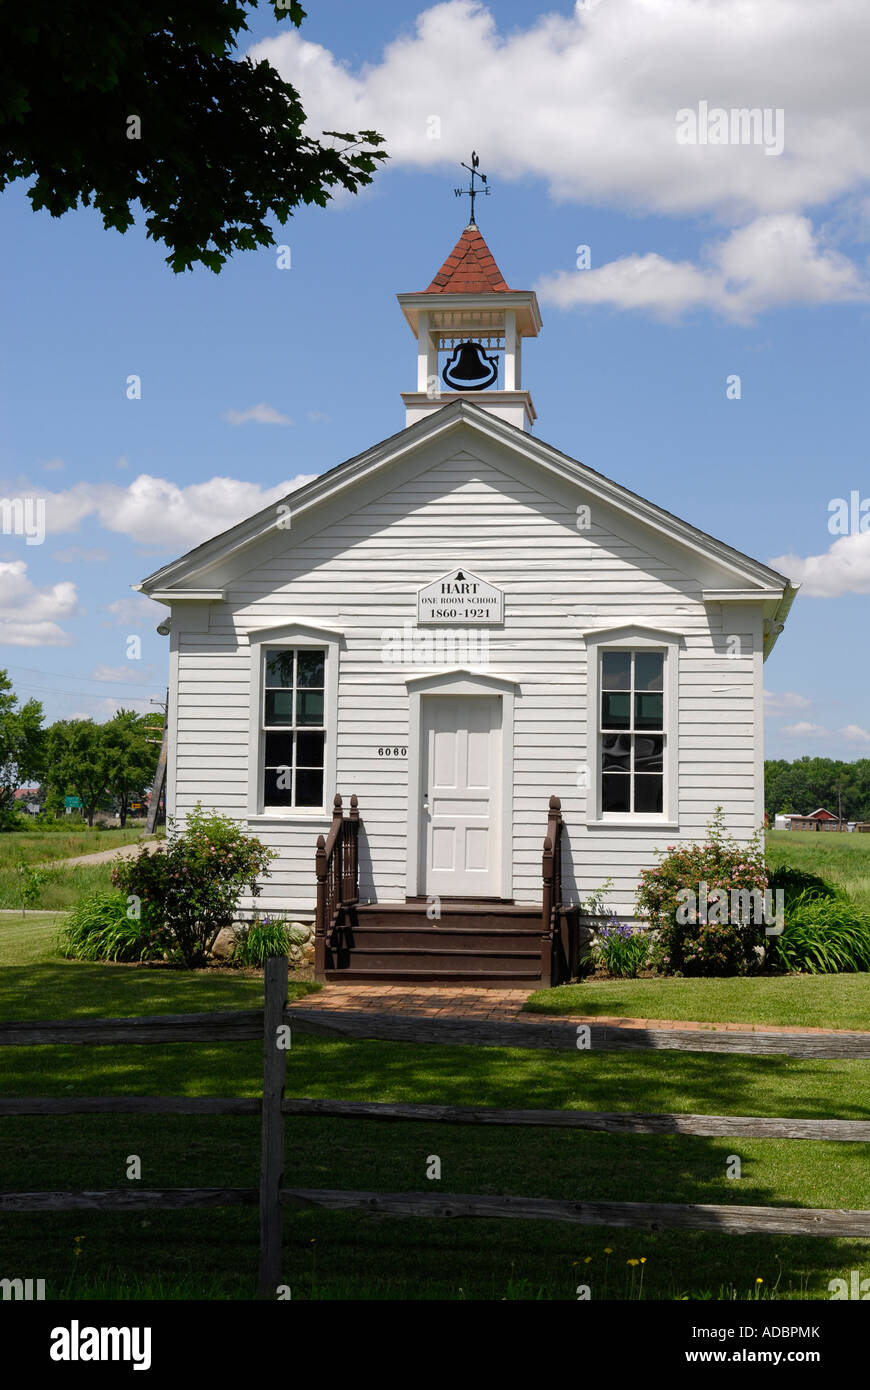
705	262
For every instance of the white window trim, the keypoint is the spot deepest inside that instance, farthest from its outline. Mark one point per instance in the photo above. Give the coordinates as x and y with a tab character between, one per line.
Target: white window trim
633	638
292	635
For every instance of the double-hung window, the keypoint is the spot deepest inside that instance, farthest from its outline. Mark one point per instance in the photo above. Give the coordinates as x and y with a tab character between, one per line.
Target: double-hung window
632	732
293	726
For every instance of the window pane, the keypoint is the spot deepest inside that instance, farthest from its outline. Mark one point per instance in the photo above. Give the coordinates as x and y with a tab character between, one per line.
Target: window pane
648	711
273	794
615	711
309	750
649	670
309	787
309	707
616	753
648	753
279	750
279	707
279	668
615	792
309	668
648	794
616	670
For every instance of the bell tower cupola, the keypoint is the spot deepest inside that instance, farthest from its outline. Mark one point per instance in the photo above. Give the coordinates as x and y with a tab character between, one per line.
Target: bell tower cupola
470	325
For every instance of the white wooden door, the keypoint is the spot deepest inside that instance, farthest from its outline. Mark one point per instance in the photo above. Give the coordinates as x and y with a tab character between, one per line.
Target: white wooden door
461	795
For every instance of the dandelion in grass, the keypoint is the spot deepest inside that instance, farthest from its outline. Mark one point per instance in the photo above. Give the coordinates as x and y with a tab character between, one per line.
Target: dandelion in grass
608	1250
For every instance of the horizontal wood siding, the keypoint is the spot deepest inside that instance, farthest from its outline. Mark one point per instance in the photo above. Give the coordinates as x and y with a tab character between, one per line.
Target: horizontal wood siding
360	571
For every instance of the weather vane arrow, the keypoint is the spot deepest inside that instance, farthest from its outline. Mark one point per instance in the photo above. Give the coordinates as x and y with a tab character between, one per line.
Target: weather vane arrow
473	192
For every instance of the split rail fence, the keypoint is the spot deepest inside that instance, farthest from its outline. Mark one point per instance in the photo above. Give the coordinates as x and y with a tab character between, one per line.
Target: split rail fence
271	1196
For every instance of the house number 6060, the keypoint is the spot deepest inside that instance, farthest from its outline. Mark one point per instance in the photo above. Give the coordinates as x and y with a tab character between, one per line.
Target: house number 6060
392	752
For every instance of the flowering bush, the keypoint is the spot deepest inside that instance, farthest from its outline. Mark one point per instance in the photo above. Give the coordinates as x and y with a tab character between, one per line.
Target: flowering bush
621	949
191	889
690	898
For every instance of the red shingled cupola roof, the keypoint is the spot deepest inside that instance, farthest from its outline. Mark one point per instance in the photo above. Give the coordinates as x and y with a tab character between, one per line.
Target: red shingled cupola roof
469	269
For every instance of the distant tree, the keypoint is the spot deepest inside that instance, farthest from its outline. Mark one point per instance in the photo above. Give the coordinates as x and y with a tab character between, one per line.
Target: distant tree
78	764
22	740
125	104
130	758
807	783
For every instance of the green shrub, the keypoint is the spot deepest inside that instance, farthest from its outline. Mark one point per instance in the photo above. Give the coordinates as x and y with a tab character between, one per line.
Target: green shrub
191	888
822	935
795	882
704	939
621	949
99	927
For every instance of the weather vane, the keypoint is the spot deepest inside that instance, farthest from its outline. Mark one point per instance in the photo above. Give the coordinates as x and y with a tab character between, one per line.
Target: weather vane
473	192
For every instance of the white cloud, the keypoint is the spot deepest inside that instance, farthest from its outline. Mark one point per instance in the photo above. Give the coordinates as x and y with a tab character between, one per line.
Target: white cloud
594	97
775	260
593	112
153	509
318	417
261	414
79	554
122	675
782	702
31	614
853	733
843	569
103	707
133	612
53	466
804	729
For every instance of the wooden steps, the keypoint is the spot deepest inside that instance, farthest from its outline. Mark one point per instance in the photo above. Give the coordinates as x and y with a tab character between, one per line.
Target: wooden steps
485	943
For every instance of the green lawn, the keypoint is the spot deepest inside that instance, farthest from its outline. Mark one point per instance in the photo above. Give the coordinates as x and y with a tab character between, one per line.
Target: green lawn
40	846
331	1255
35	982
810	1001
841	858
60	887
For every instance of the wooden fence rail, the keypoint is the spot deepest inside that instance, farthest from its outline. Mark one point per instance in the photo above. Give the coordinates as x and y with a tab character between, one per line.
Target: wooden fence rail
271	1023
534	1032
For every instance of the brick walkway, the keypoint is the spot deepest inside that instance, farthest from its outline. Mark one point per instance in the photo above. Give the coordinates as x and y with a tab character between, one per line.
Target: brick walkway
503	1005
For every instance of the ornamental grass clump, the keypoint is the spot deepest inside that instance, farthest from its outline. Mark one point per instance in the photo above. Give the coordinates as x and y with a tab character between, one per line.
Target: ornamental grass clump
100	927
269	936
190	889
822	936
707	904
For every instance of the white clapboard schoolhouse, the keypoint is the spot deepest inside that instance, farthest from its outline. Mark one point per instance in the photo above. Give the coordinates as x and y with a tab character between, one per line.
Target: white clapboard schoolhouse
520	678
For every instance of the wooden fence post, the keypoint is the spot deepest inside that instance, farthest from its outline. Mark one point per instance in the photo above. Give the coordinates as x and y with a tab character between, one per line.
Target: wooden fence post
272	1153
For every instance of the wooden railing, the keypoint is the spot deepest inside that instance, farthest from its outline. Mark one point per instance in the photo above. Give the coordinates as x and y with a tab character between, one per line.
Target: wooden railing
551	909
337	867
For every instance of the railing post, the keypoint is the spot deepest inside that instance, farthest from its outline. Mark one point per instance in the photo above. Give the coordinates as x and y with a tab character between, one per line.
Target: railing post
320	910
353	846
547	915
338	851
272	1151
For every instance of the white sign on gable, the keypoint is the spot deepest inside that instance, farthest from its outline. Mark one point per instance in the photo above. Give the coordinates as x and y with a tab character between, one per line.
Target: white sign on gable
460	597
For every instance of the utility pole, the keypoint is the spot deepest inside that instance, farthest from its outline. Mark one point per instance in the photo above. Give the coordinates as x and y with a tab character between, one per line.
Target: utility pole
159	787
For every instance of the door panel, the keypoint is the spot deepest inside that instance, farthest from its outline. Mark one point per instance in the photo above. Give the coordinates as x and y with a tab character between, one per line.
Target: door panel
461	839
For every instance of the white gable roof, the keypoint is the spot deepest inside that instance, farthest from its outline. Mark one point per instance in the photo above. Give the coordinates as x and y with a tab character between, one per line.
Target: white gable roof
752	581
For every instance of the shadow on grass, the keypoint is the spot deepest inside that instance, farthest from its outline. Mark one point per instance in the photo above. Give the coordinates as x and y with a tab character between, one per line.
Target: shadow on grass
80	989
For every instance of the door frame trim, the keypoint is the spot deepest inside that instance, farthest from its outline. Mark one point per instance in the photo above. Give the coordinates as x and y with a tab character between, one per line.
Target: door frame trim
460	681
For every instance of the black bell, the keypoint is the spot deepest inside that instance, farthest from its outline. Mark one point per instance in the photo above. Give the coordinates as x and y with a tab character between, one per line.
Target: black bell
469	369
